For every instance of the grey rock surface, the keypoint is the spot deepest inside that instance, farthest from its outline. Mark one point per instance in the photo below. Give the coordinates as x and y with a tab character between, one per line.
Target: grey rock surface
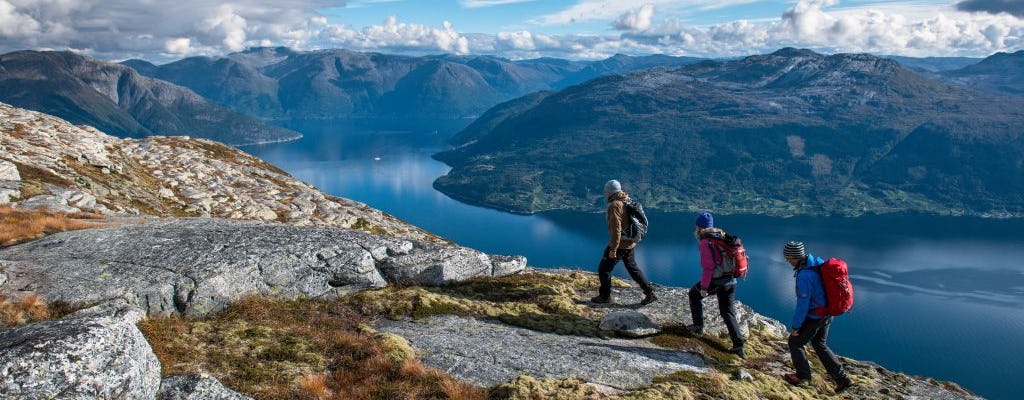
629	324
170	176
487	353
673	308
197	266
8	171
9	191
507	265
97	353
437	267
47	203
196	387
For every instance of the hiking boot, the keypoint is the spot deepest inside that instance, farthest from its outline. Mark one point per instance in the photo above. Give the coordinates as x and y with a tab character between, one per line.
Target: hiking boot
601	299
738	350
842	386
696	330
649	298
796	380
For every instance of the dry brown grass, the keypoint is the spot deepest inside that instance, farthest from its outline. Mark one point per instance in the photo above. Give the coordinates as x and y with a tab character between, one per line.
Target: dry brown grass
305	349
18	226
19	131
30	308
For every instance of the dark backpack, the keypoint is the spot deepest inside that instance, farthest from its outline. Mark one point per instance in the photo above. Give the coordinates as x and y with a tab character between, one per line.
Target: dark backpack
733	256
835	277
637	228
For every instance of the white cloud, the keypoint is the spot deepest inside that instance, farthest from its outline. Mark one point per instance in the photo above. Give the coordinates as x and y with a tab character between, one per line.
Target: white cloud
398	36
178	46
636	20
489	3
608	10
116	29
14	23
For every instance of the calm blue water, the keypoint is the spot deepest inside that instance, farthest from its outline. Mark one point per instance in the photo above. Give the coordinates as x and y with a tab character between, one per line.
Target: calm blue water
940	297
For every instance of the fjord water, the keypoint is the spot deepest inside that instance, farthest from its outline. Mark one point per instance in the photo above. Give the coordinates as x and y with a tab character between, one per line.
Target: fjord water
936	296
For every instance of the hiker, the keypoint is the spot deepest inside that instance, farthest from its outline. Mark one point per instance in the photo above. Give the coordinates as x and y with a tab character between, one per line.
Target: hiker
619	247
808	325
714	279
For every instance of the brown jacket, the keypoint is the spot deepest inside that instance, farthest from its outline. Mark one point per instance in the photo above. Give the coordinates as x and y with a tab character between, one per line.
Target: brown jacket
617	218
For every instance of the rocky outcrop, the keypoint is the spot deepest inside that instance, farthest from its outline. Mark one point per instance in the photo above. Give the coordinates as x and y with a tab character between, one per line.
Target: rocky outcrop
196	387
80	168
197	266
488	353
96	353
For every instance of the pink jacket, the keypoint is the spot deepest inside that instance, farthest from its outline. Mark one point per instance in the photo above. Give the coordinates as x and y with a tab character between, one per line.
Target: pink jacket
708	258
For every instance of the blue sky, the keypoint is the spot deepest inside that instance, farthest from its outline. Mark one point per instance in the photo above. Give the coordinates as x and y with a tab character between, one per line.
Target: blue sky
527	14
574	29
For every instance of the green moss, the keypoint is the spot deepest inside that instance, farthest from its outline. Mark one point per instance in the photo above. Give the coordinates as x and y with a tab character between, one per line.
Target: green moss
530	388
363	225
548	302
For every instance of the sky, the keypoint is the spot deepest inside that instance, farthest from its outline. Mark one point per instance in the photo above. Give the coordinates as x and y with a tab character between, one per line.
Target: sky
162	31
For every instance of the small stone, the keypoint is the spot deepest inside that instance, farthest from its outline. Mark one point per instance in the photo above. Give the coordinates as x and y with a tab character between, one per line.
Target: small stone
196	387
743	375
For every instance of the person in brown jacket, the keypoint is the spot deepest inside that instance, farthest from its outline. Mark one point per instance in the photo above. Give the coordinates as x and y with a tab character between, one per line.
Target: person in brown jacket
618	247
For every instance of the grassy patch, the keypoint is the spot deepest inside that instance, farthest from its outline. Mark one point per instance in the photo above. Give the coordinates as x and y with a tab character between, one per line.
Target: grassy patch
767	357
30	308
306	349
364	225
530	388
541	301
17	226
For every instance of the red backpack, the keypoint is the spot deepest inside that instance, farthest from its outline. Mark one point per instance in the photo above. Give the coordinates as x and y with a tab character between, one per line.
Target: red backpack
734	255
835	277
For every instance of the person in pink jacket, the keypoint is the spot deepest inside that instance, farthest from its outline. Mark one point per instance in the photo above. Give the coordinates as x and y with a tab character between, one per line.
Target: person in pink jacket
714	279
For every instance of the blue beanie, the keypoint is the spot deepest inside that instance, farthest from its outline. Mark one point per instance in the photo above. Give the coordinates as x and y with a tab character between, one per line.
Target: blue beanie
705	220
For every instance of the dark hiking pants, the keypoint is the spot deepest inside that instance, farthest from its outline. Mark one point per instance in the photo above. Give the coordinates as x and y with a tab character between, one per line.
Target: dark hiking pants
604	271
815	331
726	307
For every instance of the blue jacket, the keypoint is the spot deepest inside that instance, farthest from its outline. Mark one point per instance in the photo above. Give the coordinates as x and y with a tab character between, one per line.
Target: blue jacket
810	292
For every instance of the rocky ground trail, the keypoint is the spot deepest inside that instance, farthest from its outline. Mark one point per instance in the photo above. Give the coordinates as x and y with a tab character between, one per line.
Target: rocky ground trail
488	353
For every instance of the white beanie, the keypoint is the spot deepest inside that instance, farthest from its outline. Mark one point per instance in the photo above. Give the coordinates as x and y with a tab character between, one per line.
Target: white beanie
613	186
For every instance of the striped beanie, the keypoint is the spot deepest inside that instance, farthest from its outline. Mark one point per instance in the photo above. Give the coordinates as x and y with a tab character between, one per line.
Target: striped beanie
794	250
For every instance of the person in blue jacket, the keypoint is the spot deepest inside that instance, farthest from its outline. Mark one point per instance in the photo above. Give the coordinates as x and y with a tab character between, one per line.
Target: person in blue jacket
808	326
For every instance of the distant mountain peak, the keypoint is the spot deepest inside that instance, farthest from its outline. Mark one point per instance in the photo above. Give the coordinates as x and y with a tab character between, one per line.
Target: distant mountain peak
794	52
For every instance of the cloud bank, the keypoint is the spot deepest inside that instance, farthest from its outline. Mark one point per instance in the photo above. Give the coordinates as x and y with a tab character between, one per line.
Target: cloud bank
118	29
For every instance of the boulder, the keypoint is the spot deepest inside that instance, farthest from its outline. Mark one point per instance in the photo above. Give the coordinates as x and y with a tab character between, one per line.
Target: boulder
507	265
197	266
487	353
196	387
629	324
48	203
9	191
9	171
433	266
97	353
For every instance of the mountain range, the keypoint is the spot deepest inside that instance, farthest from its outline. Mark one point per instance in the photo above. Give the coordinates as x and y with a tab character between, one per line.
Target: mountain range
279	83
1001	72
118	100
789	133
